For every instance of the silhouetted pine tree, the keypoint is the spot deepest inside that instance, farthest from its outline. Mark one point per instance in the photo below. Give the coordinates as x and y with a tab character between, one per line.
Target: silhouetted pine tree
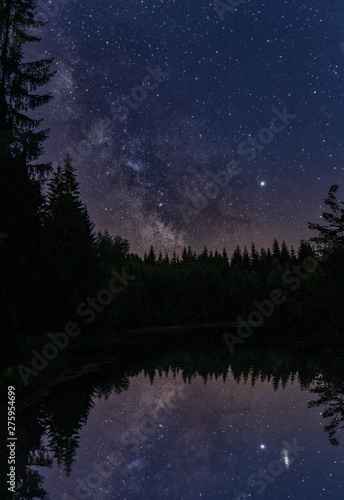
151	257
285	255
305	250
236	259
332	232
276	252
19	134
293	256
70	260
20	145
254	257
174	260
246	263
204	256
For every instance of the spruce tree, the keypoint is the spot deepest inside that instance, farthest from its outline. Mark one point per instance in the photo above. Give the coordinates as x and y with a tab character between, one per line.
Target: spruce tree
305	250
204	255
236	259
70	259
276	252
254	257
285	255
20	145
332	232
246	259
19	81
160	259
151	257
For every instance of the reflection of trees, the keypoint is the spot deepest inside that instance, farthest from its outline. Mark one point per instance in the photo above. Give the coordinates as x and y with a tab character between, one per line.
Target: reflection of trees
61	416
332	396
30	485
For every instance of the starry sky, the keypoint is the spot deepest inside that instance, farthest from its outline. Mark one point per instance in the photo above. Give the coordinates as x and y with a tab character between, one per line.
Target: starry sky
193	124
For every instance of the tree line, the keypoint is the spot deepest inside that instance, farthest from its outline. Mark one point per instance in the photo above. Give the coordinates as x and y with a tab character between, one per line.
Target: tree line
51	258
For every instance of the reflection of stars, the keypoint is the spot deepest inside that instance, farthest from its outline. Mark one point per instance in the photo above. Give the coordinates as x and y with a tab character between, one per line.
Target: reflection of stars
284	458
262	446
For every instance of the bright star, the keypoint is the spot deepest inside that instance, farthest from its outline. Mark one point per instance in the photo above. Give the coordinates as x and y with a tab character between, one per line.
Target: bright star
262	183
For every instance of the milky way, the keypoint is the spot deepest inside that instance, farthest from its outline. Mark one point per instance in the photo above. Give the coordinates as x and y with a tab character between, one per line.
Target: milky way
154	98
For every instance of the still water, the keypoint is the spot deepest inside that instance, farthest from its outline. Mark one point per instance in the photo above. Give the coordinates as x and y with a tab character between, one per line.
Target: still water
244	429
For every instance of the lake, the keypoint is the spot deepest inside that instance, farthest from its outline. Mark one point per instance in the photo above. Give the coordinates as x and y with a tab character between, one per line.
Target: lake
192	423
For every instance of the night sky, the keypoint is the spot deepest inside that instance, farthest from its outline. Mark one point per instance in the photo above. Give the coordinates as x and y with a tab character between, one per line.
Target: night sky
153	98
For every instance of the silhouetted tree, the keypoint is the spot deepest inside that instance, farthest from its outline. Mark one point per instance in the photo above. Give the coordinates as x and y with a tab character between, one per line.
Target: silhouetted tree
276	252
332	232
70	259
254	257
332	396
20	145
151	257
19	137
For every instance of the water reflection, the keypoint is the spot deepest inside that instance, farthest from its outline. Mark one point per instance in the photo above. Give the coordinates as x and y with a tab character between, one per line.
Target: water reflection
331	401
187	423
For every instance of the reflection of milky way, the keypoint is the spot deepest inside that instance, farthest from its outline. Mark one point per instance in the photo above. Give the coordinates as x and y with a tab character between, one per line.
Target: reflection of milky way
213	437
225	78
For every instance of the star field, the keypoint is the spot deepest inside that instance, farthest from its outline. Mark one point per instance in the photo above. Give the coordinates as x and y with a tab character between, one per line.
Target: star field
147	146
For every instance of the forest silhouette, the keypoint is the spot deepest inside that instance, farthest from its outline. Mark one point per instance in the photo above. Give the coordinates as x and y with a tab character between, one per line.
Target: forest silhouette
51	259
168	313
